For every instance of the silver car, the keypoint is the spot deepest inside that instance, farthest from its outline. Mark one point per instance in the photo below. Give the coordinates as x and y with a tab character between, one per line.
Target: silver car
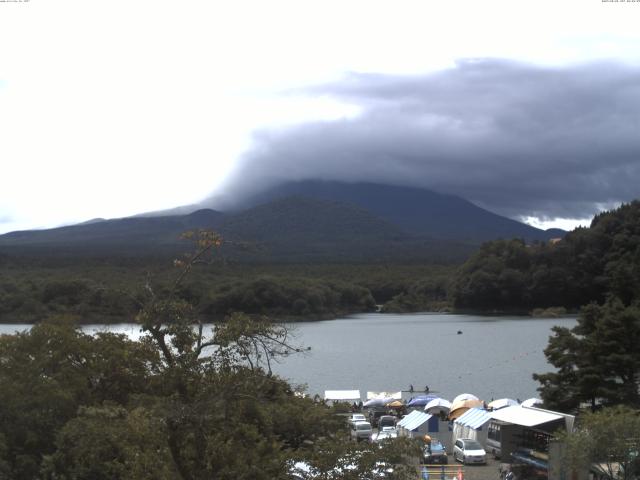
467	451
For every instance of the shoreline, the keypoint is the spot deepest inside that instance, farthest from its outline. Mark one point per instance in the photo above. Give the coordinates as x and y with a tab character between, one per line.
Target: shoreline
549	313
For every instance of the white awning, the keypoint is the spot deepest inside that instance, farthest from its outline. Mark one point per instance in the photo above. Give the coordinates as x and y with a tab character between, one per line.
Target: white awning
525	416
530	402
414	420
394	396
342	395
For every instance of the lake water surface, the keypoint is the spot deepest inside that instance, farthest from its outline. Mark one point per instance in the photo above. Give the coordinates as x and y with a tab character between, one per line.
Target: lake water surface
493	357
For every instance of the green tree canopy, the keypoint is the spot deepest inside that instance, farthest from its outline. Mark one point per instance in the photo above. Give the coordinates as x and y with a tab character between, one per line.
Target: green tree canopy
47	373
597	361
181	403
608	440
587	265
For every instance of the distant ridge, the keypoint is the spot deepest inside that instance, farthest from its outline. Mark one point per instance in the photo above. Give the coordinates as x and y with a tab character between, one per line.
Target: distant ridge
300	222
122	234
175	211
302	229
415	210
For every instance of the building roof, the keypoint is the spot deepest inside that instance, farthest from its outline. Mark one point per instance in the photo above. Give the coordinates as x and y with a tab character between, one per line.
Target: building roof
342	395
525	416
414	420
474	418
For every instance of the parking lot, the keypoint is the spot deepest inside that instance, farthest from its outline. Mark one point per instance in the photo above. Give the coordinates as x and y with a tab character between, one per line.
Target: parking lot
482	472
471	472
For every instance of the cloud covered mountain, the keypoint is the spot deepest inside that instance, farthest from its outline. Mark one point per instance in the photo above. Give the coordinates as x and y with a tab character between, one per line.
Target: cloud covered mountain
302	221
416	211
517	139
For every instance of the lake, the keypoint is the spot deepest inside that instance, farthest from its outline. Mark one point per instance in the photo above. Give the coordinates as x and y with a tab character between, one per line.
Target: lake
493	357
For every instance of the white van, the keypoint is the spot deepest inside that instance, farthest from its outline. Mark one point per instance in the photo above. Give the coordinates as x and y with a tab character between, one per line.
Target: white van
361	431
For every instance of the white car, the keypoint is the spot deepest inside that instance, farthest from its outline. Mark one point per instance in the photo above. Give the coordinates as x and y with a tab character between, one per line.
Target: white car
361	431
385	433
467	451
357	417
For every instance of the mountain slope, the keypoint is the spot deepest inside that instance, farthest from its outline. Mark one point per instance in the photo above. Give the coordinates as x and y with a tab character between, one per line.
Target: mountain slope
306	229
122	234
415	210
292	229
305	221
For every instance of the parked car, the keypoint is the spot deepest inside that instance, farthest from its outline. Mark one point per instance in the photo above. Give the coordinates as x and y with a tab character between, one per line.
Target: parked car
435	453
357	417
374	416
386	421
361	431
385	433
467	450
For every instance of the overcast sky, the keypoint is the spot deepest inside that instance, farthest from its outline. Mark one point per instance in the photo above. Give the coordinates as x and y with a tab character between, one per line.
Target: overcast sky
108	109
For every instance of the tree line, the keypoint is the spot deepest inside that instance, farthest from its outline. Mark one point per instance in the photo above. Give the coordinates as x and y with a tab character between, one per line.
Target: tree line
595	271
596	363
96	292
587	265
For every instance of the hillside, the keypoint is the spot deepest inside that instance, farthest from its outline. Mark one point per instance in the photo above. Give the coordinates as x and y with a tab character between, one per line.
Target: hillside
299	222
588	265
132	235
416	211
296	228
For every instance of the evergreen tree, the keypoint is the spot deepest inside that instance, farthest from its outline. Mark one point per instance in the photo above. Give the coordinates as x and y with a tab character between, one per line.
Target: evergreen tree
587	265
597	361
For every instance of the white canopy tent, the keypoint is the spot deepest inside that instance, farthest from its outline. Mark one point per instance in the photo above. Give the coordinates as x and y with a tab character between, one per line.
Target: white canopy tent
342	395
464	396
437	405
502	403
531	402
381	399
392	395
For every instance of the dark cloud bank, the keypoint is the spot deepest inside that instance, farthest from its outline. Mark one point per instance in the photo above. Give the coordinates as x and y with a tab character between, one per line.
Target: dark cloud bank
517	139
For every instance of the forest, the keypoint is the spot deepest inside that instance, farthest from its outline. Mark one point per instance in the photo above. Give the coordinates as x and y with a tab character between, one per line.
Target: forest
108	290
587	265
181	403
505	275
